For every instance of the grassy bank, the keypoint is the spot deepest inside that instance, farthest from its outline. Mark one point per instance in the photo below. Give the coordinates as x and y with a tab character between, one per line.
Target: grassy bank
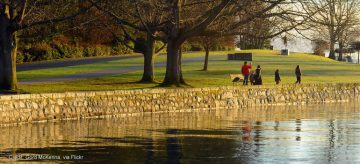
315	70
71	70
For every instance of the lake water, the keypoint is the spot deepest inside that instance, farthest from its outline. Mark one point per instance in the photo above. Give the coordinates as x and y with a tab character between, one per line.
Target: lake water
298	134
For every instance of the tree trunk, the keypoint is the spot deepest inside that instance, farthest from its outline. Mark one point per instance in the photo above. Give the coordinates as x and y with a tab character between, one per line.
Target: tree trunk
148	75
182	80
206	62
332	29
332	47
172	75
341	47
8	50
358	57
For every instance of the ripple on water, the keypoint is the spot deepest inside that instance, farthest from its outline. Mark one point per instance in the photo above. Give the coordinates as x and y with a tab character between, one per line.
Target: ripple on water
301	134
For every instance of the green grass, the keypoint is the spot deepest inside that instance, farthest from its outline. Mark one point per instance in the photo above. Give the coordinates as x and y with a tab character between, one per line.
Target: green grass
71	70
315	70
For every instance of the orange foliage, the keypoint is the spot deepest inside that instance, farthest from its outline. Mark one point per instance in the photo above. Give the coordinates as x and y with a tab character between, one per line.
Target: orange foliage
62	39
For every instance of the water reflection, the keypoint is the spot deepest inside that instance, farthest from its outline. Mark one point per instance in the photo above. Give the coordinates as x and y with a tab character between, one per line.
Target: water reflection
317	133
173	147
298	129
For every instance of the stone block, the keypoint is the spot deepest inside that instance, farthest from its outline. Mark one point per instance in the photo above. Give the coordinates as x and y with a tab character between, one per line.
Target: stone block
60	102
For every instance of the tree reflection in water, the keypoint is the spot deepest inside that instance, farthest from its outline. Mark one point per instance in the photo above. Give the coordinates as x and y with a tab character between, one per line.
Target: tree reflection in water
173	147
298	130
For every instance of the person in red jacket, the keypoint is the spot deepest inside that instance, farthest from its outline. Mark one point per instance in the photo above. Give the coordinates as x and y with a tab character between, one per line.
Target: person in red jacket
245	70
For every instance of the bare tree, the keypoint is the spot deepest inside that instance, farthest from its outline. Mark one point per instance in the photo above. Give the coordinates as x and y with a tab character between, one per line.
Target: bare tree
331	19
209	43
128	18
320	46
254	34
17	15
184	20
347	36
175	21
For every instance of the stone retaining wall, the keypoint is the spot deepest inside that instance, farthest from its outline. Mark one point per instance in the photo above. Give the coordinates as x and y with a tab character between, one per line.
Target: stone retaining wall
75	105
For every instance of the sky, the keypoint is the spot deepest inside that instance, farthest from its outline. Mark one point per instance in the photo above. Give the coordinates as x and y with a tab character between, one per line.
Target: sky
294	45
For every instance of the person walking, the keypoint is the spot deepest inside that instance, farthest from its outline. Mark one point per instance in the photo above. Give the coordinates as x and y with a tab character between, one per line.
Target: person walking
257	77
298	75
245	70
277	77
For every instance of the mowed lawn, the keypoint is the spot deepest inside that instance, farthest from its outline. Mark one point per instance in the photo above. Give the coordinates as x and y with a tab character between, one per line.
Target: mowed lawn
315	70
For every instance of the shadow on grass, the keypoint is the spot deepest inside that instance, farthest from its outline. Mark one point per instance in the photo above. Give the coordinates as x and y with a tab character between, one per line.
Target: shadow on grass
201	70
13	92
172	85
123	83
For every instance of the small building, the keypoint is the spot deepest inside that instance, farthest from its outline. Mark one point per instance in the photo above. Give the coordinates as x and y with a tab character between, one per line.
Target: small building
285	52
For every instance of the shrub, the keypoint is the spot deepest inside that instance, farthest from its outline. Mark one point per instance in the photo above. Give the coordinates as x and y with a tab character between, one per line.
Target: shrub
120	49
75	52
40	51
320	46
196	47
28	57
67	51
61	39
186	46
61	47
19	57
88	52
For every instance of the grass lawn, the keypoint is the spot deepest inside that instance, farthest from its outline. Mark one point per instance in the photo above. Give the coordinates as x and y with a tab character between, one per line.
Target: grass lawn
71	70
315	70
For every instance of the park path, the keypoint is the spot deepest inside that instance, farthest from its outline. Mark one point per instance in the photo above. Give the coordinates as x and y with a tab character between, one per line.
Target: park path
96	74
70	62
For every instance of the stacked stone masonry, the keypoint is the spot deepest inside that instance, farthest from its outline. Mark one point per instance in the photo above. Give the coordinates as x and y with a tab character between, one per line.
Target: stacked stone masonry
75	105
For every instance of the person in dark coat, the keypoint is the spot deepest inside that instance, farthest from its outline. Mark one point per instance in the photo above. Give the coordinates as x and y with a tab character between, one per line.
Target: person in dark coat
277	77
257	77
252	78
298	75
